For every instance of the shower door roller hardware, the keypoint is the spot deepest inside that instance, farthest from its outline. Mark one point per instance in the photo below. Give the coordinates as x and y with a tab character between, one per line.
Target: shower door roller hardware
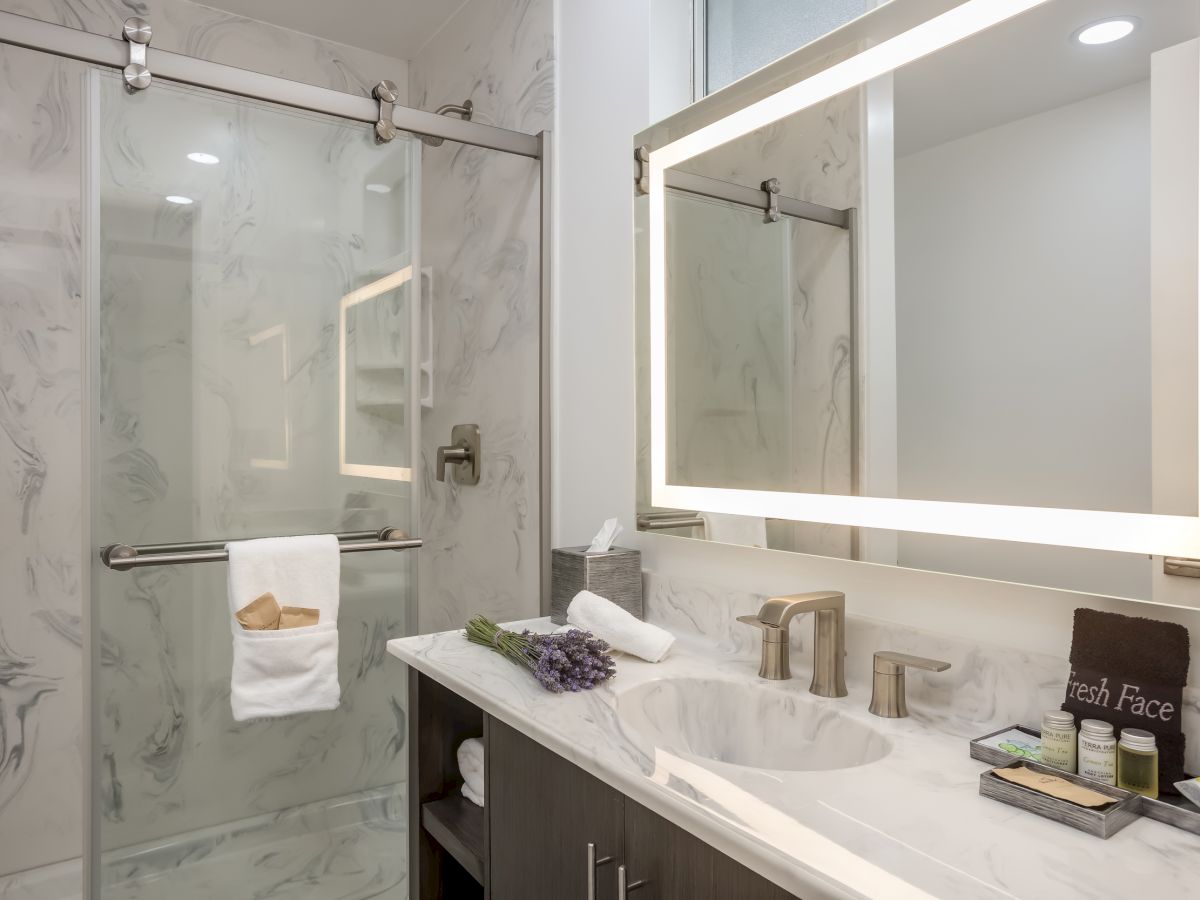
641	178
463	452
137	32
387	94
771	187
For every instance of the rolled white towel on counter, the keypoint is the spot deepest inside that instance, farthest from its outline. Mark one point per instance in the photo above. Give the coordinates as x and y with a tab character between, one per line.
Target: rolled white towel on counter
619	629
470	766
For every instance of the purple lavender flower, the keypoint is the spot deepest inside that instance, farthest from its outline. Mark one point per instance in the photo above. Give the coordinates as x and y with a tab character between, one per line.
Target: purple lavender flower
572	661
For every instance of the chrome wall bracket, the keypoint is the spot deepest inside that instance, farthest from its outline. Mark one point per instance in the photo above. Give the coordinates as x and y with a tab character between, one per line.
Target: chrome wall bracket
387	94
771	187
641	177
137	33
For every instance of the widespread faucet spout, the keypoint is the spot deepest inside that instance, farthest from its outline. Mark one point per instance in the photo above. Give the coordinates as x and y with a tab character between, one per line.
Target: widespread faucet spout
829	644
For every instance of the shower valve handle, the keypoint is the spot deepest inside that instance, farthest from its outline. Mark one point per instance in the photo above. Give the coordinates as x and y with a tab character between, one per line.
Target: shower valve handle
463	453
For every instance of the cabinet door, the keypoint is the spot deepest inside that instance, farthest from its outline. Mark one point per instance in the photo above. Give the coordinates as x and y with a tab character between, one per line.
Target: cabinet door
676	866
542	813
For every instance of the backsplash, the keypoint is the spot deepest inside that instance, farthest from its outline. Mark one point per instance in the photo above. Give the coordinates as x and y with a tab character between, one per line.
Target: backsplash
986	687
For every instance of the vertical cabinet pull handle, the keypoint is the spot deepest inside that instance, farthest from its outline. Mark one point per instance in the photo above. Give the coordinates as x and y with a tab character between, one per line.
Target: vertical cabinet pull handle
624	885
592	864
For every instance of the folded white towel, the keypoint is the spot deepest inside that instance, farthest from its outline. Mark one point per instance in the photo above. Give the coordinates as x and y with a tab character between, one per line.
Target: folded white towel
723	528
620	629
278	673
470	766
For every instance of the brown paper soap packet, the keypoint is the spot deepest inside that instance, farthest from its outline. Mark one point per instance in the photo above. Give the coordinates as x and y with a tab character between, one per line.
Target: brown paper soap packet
1053	786
261	614
298	617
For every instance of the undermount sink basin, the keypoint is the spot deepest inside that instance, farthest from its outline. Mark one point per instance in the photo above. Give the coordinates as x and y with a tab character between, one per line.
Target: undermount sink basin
749	725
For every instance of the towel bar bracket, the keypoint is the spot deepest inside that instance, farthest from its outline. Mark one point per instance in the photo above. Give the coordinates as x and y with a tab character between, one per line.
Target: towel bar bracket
122	557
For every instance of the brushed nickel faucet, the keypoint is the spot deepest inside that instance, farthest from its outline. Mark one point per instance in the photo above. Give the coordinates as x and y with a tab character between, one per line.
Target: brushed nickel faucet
887	682
829	634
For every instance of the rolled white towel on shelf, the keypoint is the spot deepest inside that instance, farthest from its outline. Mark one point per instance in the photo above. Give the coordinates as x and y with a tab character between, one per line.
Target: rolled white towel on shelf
470	766
619	629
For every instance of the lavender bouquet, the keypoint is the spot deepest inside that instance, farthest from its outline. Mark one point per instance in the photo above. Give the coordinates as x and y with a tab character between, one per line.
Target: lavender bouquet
571	661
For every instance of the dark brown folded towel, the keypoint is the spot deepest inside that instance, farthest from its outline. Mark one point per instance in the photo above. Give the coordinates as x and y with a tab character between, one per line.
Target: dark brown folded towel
1130	672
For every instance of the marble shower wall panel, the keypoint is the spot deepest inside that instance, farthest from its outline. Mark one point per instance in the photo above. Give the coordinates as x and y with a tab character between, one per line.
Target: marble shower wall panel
41	112
480	238
41	689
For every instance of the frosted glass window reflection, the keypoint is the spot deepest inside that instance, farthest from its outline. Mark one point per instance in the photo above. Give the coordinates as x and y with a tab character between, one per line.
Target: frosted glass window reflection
744	35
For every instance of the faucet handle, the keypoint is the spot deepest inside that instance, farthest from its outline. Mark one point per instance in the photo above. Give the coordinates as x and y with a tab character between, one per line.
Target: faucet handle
887	682
889	662
771	633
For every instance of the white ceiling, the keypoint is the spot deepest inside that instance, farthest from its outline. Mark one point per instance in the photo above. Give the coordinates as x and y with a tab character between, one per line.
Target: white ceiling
1029	65
396	28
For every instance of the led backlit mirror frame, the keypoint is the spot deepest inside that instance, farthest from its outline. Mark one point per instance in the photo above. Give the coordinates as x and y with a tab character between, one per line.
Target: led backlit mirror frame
1168	535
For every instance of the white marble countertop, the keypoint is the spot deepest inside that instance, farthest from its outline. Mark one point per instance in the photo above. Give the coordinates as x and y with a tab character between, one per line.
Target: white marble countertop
911	825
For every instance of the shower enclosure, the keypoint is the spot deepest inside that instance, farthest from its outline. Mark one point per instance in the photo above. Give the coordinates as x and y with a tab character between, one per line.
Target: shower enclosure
253	287
253	308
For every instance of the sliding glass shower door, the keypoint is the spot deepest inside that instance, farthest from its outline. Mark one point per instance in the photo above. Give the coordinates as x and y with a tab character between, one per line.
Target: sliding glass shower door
252	280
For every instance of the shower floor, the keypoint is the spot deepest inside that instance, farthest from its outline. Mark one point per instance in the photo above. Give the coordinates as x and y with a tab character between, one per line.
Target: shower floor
351	848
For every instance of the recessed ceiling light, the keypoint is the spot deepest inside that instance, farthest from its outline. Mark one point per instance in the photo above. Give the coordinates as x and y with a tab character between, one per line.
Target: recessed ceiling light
205	159
1106	31
379	188
176	198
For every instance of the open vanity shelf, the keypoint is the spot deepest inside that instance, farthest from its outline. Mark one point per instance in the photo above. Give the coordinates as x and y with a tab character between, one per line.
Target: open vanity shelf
447	832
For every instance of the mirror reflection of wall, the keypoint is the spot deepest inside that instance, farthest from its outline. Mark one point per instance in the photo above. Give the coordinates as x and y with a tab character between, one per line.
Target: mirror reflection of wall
1009	317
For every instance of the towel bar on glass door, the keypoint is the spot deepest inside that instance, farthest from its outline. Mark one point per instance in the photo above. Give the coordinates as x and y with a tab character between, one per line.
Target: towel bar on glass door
123	556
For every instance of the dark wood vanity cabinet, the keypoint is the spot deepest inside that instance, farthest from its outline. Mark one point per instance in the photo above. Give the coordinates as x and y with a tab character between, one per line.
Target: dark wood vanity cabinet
675	864
544	812
531	841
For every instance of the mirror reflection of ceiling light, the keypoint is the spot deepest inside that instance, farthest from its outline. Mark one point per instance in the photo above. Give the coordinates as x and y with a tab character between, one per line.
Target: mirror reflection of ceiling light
1106	31
205	159
379	188
176	198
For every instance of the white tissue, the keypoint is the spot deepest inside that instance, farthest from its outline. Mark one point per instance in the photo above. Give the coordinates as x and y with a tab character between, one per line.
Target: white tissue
606	536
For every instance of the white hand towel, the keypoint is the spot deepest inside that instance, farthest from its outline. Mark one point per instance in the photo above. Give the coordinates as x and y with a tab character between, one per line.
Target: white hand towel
470	766
723	528
279	673
619	629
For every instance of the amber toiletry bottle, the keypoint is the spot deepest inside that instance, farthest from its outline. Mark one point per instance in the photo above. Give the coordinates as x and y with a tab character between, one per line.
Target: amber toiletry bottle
1137	762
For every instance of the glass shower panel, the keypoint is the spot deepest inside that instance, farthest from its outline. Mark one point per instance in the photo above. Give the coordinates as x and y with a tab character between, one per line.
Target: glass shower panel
253	343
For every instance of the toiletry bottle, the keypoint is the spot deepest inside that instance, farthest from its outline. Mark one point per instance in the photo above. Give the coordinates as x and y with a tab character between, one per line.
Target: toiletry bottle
1059	740
1137	762
1097	751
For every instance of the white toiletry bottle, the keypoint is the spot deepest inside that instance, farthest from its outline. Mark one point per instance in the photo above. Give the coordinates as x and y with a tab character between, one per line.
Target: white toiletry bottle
1059	740
1097	751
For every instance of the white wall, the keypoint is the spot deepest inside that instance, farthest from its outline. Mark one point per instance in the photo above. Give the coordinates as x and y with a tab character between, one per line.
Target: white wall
1023	331
603	100
602	104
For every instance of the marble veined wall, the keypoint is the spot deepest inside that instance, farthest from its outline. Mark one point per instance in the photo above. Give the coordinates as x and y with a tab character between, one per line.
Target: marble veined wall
480	239
42	501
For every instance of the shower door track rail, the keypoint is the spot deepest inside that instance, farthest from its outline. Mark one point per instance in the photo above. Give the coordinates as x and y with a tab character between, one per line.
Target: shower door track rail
33	34
123	556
